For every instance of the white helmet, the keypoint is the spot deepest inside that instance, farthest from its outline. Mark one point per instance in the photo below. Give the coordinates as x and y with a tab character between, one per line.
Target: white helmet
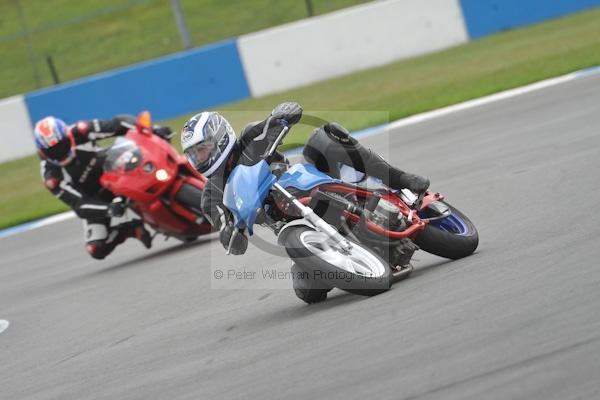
207	140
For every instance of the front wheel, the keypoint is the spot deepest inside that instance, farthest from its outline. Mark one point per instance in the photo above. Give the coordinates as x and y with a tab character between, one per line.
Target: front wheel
190	197
189	239
452	237
307	289
358	271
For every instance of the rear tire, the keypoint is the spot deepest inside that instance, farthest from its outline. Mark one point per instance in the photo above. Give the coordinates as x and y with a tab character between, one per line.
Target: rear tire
446	244
330	275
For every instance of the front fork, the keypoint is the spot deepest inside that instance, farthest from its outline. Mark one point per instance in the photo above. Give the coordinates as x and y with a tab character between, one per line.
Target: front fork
314	219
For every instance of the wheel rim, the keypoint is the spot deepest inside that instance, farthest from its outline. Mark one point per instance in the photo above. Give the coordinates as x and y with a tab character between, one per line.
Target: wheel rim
358	260
452	224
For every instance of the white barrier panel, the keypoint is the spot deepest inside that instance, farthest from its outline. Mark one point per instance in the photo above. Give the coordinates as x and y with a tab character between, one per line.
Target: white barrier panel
349	40
15	129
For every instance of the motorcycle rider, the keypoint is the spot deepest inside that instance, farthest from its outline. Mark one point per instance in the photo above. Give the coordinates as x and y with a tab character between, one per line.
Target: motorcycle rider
210	145
71	166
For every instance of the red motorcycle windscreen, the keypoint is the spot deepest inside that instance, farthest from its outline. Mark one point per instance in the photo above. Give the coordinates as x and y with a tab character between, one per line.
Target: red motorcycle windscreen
123	155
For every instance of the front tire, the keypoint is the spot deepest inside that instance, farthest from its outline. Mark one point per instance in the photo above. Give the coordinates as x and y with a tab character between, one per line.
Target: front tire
190	239
190	197
361	271
453	237
308	290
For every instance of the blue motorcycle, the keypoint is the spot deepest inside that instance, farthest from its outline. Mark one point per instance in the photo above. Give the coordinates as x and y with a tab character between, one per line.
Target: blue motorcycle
357	237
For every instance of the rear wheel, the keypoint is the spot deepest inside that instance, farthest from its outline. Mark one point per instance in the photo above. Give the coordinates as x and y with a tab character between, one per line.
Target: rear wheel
358	271
452	237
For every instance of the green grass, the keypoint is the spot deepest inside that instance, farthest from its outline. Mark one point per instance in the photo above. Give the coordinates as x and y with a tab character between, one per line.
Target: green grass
479	68
24	198
89	36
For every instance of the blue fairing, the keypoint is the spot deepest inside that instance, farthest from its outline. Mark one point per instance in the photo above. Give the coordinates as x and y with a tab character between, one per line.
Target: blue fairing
305	177
245	192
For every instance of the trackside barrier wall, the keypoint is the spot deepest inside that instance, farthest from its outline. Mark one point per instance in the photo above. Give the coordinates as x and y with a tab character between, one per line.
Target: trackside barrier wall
15	129
349	40
167	87
484	17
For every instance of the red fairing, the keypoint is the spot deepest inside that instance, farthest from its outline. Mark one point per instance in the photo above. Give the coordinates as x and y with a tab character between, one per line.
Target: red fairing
153	184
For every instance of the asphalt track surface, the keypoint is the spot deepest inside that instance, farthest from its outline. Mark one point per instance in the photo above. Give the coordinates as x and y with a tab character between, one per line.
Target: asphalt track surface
520	319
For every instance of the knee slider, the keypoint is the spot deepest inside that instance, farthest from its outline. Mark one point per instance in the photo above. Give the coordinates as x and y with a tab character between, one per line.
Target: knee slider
97	249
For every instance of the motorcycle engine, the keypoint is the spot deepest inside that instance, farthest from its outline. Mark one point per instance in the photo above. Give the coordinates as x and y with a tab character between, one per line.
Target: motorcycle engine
388	216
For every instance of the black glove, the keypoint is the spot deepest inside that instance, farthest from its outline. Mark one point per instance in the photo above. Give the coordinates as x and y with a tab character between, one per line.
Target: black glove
116	210
239	245
288	113
163	131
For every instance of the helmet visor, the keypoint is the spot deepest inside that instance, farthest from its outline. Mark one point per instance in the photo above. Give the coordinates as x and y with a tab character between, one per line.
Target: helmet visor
59	152
203	155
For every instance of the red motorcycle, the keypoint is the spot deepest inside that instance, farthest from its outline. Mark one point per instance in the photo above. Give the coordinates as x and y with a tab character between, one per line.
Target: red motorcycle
156	181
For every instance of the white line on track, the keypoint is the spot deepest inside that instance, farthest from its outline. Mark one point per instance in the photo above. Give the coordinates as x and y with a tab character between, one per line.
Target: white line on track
36	224
377	130
3	325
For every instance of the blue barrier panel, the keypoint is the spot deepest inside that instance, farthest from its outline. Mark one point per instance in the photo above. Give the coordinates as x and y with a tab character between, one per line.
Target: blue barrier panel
168	87
484	17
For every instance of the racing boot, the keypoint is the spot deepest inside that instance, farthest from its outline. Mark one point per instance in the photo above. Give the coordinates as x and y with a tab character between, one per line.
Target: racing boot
141	233
136	230
391	176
